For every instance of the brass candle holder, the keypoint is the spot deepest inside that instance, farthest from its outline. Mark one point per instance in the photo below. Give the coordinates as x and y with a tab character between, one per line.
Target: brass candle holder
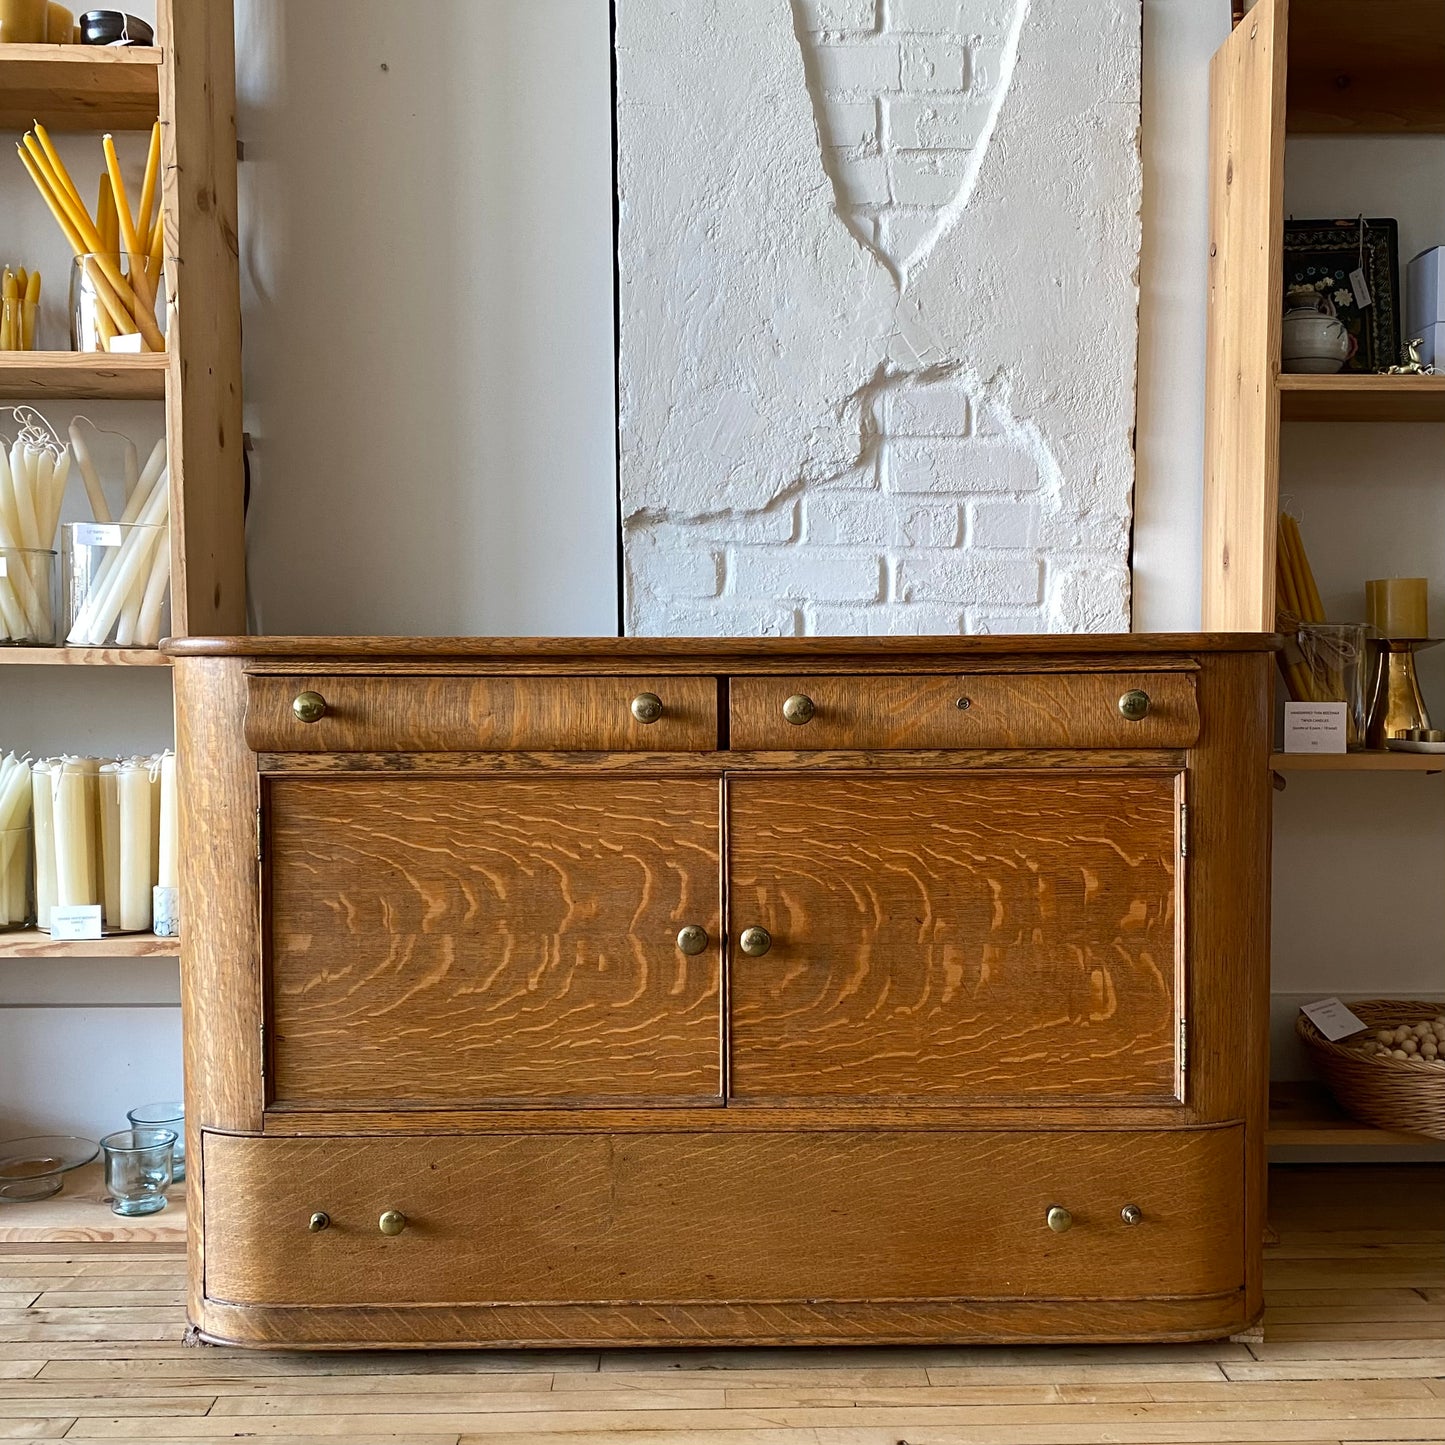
1397	707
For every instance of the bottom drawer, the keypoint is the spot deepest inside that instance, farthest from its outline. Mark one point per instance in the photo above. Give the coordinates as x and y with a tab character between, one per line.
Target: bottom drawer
765	1217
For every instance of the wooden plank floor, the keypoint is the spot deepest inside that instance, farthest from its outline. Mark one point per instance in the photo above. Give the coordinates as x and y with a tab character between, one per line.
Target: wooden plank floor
90	1350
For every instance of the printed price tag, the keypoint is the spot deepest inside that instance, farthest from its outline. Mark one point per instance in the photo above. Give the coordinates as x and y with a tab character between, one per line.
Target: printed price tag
1333	1019
77	921
1316	727
97	534
1361	287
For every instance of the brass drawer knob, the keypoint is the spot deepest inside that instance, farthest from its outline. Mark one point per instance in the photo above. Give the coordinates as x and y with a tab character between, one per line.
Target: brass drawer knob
310	707
319	1221
755	942
1059	1219
647	707
392	1222
799	710
1131	1214
692	940
1134	705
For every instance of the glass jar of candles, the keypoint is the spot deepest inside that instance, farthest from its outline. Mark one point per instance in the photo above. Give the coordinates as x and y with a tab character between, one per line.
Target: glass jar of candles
17	896
116	579
27	597
115	304
1336	658
23	22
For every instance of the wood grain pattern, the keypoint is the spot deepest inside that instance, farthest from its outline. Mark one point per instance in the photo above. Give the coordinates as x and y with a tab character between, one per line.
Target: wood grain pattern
511	714
702	1218
468	942
1064	710
80	376
31	943
964	939
1246	301
1352	397
78	88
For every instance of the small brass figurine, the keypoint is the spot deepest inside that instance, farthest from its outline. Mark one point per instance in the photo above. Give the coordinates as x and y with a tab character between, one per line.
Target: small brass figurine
1412	365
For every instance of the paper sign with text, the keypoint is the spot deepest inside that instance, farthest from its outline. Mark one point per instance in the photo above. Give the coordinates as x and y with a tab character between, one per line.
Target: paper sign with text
1333	1019
77	922
1315	727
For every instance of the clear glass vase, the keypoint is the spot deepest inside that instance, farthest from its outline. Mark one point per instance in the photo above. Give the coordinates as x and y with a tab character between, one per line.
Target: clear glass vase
116	305
117	584
17	891
27	598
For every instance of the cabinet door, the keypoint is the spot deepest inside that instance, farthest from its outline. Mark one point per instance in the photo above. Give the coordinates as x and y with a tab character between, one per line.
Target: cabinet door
462	942
994	938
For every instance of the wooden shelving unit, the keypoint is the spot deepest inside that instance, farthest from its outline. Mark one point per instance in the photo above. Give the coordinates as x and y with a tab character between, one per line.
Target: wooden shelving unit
79	88
34	944
81	657
42	376
1305	1116
80	1214
1301	67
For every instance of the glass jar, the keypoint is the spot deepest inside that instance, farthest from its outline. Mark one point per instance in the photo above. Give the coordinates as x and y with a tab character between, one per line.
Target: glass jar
23	22
17	895
116	305
27	598
1337	659
172	1116
138	1165
116	581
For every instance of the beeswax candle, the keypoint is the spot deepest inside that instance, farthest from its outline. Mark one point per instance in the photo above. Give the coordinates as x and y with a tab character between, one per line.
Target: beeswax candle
1399	606
23	22
135	847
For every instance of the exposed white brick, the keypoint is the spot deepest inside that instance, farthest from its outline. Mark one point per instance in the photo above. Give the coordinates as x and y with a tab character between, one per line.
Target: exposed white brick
902	232
893	621
925	178
677	571
929	409
966	578
852	519
870	66
961	466
727	619
1096	529
854	124
944	17
935	124
864	179
840	14
935	64
1087	593
1003	524
986	66
802	574
994	623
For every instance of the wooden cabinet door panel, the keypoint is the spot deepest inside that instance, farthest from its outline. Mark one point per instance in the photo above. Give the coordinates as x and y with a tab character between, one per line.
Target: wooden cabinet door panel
476	941
1004	936
694	1218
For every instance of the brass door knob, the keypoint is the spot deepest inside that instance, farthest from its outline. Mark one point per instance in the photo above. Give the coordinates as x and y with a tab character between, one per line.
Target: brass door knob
1131	1214
799	709
692	940
647	707
1134	705
310	707
1059	1219
755	942
392	1222
319	1221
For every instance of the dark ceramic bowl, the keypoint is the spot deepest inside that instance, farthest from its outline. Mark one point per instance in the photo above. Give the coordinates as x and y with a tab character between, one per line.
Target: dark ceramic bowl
112	27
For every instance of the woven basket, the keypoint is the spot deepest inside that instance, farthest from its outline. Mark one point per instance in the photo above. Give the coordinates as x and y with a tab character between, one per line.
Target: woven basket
1403	1094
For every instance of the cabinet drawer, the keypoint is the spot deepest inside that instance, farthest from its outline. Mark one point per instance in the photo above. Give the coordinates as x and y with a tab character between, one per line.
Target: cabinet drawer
1030	710
605	1217
487	714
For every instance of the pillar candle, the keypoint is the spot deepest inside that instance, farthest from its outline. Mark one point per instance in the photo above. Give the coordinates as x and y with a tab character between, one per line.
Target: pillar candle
59	24
110	840
167	875
1399	606
23	22
74	849
135	848
42	797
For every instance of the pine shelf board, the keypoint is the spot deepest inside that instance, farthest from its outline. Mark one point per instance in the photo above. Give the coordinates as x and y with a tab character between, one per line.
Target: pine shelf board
1305	1116
1357	762
38	376
1346	397
82	657
33	944
79	87
79	1214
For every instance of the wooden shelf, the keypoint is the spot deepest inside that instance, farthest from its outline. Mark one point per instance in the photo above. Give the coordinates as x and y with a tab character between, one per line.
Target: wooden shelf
78	87
38	376
1304	1115
1360	69
79	1214
34	944
1357	762
1362	398
82	657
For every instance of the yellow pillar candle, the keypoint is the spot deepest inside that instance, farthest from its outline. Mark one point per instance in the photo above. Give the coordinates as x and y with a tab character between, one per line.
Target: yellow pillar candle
59	24
43	800
1399	606
23	22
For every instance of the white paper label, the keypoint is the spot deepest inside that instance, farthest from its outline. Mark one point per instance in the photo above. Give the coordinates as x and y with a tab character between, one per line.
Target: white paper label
1361	287
77	921
97	534
1333	1019
4	566
1315	727
132	345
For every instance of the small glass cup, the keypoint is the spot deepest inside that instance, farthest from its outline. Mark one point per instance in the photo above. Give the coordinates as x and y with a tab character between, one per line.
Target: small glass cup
115	305
116	582
138	1169
170	1115
17	895
27	598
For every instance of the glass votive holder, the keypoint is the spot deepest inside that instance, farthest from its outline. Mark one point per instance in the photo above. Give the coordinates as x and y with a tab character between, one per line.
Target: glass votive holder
116	584
170	1115
138	1169
115	305
17	892
27	598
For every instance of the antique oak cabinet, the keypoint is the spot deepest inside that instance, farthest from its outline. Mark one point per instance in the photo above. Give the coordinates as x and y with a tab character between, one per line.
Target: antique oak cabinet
598	993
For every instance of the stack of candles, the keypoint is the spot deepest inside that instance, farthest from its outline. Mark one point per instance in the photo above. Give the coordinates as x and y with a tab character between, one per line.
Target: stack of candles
121	252
104	837
14	842
33	475
1299	602
19	306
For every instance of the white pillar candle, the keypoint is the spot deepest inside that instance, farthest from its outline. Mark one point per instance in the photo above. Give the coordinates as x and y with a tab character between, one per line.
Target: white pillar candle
153	771
74	849
44	819
136	881
168	873
15	848
110	841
